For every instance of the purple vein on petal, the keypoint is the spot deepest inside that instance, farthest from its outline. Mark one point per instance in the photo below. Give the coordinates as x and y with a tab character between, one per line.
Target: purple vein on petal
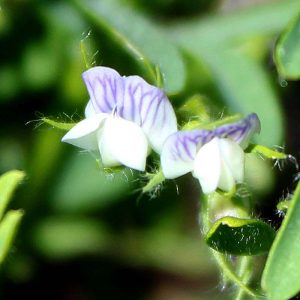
158	105
183	145
240	131
96	104
98	101
104	88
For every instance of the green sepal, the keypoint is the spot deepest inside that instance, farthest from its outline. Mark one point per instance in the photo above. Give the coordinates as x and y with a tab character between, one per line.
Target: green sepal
58	125
237	236
283	206
209	125
155	179
266	152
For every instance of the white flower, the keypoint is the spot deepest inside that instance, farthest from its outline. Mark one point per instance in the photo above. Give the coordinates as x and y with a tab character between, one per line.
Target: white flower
125	118
216	157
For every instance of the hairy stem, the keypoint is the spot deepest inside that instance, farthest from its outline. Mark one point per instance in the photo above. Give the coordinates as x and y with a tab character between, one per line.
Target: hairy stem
225	267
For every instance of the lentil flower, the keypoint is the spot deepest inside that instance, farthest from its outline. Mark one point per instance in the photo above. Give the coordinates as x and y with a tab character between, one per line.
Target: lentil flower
124	118
216	157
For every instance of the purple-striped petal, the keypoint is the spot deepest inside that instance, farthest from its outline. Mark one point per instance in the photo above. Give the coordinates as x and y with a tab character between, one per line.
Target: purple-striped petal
241	131
149	107
105	87
180	149
132	99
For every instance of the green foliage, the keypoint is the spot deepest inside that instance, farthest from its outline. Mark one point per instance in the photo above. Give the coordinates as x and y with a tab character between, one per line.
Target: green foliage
153	47
215	67
287	52
241	80
240	236
281	278
11	220
8	183
8	228
66	237
84	186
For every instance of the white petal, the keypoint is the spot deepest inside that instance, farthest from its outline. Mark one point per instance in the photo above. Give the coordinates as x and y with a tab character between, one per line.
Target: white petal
123	142
226	180
165	125
89	110
208	166
219	163
234	156
84	133
149	107
179	152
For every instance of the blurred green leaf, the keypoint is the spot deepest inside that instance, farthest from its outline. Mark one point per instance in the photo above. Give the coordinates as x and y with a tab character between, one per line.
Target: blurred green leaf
233	28
8	78
287	51
8	183
83	186
66	237
281	278
237	236
8	228
246	87
241	80
141	37
41	63
161	247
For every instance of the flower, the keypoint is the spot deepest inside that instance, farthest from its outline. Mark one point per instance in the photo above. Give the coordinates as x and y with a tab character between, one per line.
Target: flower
216	157
125	117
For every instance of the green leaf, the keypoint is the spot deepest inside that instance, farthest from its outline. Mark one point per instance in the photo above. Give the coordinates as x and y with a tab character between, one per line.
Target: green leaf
142	38
242	81
246	87
281	278
83	186
68	237
8	183
266	152
8	228
287	52
240	236
58	125
235	27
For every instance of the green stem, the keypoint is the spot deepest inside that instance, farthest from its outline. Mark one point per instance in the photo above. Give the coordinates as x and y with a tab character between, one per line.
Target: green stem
244	273
84	54
230	274
221	259
121	39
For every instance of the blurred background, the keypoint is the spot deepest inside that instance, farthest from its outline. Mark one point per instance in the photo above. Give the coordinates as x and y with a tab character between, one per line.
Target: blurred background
87	234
